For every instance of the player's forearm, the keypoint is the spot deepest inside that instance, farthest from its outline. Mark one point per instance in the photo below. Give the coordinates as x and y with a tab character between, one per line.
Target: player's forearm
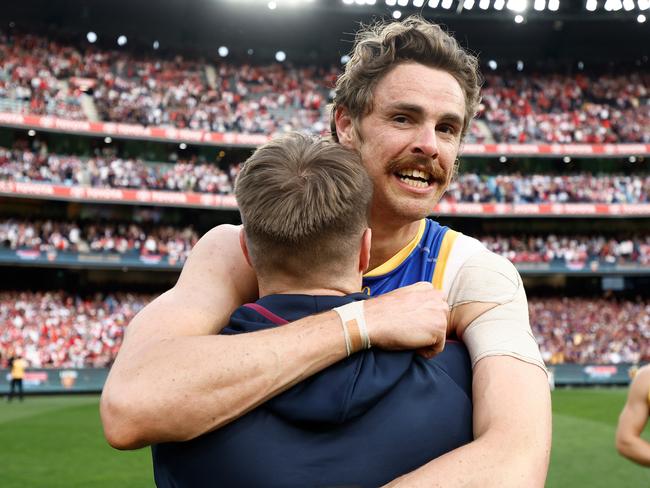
634	448
174	389
484	463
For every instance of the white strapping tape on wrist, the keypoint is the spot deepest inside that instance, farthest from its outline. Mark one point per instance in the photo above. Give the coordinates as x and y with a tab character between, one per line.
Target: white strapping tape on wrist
354	326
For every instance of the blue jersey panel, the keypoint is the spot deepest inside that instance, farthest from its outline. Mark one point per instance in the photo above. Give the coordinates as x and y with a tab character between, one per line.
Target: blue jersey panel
418	266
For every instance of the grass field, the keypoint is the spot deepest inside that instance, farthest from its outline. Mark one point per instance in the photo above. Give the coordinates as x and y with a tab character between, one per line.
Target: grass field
57	441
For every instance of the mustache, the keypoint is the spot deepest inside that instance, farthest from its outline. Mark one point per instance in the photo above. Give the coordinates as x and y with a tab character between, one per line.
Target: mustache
422	163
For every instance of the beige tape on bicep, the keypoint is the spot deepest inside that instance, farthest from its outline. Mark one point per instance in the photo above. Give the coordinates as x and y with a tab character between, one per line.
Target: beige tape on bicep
504	329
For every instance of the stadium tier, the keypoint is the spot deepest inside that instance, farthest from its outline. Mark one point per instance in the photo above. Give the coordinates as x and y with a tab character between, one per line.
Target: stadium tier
41	76
57	329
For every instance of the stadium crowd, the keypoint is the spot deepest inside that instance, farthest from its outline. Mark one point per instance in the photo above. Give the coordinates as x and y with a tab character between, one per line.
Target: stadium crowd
579	330
177	243
568	109
56	329
571	250
114	172
548	188
93	237
41	76
193	175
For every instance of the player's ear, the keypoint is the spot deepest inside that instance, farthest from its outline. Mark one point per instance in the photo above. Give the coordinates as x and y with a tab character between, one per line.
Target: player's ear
345	127
364	253
244	246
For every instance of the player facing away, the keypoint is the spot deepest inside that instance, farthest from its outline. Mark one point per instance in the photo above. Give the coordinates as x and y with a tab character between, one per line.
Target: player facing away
304	204
404	102
634	418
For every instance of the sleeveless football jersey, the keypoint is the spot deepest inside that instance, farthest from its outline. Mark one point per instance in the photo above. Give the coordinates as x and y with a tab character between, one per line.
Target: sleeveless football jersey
435	254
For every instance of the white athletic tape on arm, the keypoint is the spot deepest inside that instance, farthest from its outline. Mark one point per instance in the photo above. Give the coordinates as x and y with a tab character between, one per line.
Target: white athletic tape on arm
504	330
353	321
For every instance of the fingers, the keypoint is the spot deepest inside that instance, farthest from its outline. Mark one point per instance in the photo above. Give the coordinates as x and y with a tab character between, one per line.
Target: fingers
430	351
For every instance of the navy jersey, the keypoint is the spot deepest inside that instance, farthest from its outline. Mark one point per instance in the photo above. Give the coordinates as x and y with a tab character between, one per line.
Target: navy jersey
362	422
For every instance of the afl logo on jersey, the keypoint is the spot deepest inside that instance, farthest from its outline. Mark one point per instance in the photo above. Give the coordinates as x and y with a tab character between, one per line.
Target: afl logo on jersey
366	290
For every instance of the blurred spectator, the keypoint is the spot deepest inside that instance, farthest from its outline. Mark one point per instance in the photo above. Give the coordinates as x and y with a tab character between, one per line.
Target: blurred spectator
115	172
580	330
55	329
42	76
571	250
48	235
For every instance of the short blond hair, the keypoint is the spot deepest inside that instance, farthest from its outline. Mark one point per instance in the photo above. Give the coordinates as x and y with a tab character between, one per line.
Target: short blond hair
304	203
380	47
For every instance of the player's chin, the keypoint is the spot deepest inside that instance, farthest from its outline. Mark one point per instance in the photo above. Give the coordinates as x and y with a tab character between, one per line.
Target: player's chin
411	210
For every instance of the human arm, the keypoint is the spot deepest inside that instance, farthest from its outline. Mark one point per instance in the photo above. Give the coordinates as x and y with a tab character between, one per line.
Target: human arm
511	396
174	379
633	419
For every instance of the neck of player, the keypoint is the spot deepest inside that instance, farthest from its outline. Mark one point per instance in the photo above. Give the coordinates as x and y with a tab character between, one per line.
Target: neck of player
336	286
388	238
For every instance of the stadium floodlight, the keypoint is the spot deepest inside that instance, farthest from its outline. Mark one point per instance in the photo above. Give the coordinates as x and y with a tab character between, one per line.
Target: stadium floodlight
566	159
402	3
644	4
250	51
553	5
540	5
272	5
591	5
31	132
108	140
156	45
121	41
92	37
581	65
182	145
517	5
632	159
397	14
640	18
468	5
446	4
280	56
371	2
520	65
499	4
628	5
503	159
492	64
223	51
613	5
345	59
519	18
418	3
484	4
391	3
348	2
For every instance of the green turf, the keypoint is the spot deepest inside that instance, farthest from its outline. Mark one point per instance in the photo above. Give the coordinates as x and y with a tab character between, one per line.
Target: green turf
57	441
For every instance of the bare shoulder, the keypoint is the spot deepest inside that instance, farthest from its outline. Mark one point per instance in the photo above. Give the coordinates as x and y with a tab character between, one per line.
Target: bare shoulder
215	280
217	258
642	378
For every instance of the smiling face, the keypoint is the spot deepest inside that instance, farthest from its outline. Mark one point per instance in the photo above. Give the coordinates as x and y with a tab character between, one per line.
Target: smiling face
409	141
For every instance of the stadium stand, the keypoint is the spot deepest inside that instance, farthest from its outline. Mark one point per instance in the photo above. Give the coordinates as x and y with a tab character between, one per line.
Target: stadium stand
41	76
191	175
57	329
